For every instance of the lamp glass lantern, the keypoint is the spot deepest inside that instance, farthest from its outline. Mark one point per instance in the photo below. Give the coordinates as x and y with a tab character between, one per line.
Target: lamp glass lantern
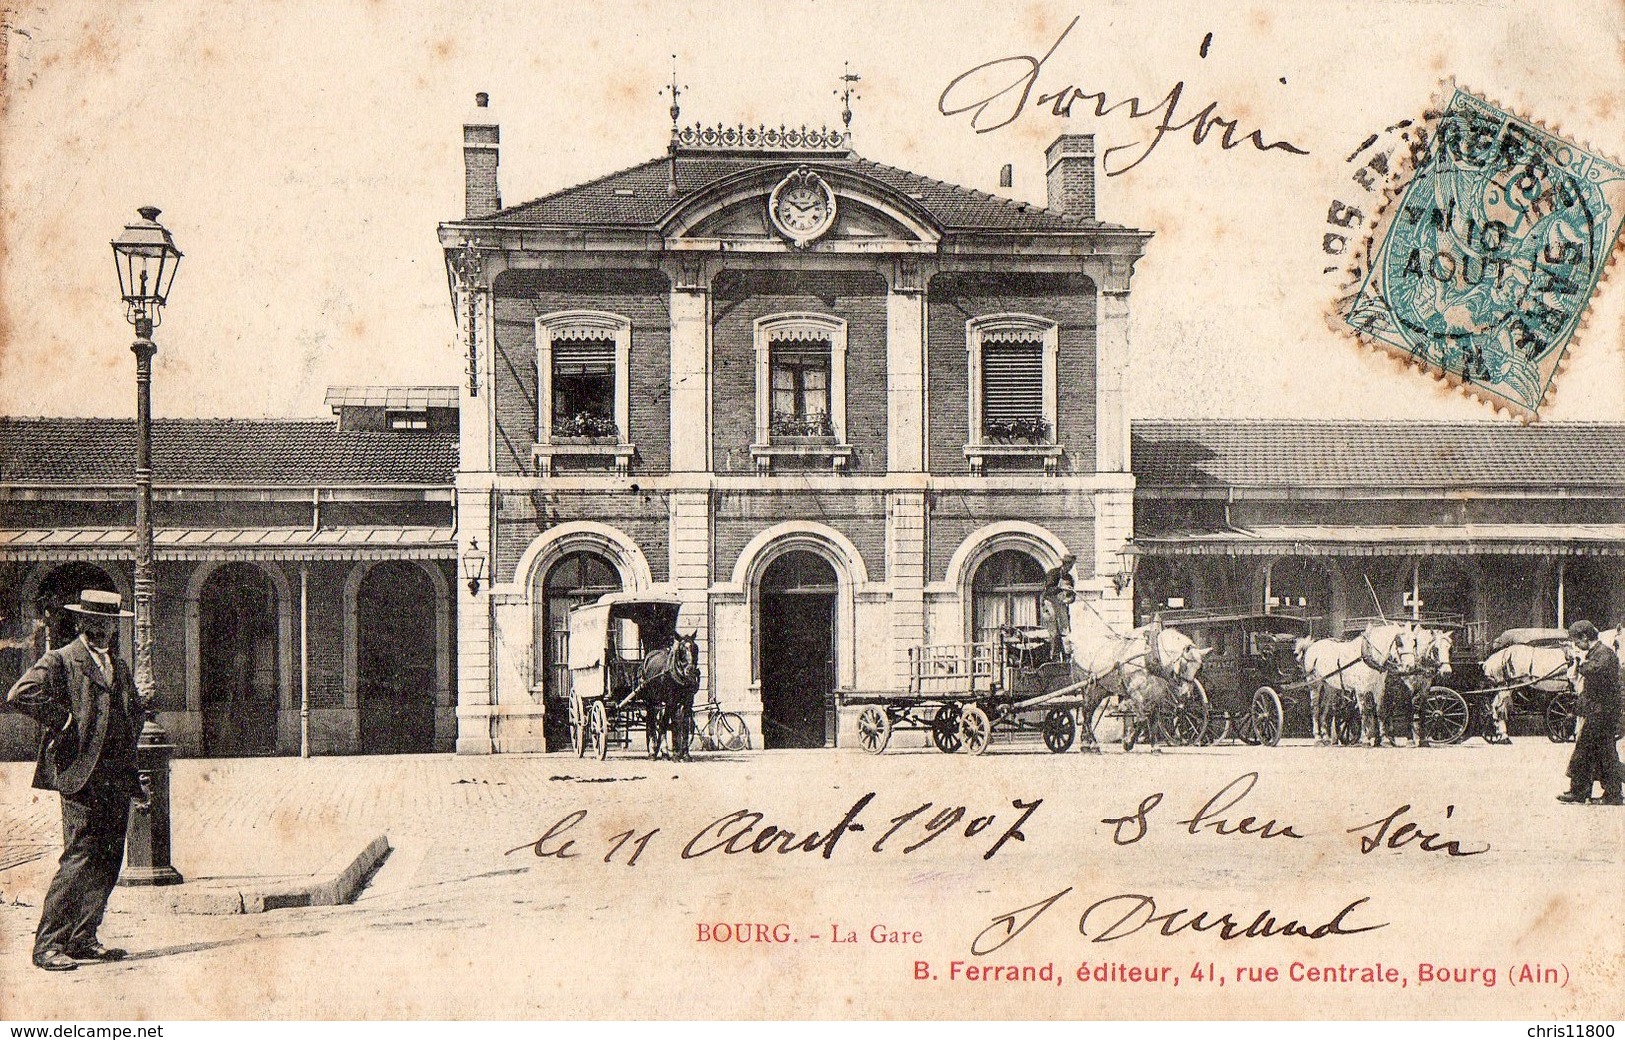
474	566
147	261
1128	558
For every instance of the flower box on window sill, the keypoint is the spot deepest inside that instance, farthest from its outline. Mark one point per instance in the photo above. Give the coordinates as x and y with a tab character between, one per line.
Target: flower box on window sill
800	447
584	447
979	453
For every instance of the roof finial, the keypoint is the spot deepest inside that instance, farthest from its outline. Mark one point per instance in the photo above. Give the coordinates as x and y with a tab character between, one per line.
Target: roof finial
676	92
846	94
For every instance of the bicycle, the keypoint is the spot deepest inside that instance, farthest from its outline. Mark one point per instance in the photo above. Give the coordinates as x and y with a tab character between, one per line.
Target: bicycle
721	730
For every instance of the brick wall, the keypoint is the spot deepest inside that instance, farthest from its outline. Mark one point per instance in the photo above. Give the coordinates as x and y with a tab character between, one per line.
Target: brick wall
521	517
1067	300
953	516
739	298
643	297
741	516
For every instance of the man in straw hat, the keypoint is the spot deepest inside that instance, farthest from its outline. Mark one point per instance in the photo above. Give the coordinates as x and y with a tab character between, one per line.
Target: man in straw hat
86	701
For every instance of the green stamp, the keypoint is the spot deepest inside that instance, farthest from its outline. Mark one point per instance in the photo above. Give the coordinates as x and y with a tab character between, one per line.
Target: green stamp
1489	253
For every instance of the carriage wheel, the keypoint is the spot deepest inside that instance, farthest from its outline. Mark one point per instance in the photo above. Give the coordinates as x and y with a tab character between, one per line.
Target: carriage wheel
1560	717
1266	719
728	732
578	725
1346	721
975	730
1187	717
874	729
1060	729
598	725
945	729
1444	715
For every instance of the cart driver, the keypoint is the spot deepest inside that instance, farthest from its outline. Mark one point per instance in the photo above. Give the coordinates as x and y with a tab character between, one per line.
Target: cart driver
1055	606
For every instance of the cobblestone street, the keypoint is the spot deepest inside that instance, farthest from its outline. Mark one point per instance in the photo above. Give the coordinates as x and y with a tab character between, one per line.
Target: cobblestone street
453	925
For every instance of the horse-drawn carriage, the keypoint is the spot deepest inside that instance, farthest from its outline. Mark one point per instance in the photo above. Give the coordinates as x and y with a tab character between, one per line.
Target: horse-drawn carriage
1027	681
1251	676
630	668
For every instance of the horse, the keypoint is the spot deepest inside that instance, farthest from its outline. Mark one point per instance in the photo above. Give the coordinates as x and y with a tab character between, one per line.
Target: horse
667	683
1358	666
1147	664
1527	666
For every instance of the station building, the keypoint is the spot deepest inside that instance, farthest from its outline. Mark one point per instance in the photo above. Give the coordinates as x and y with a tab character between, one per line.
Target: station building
837	408
304	569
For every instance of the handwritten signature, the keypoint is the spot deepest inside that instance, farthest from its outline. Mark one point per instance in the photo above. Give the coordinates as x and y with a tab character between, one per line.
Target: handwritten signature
997	92
1122	915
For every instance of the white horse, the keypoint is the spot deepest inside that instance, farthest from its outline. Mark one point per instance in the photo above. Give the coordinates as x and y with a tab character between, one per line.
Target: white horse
1547	668
1360	667
1148	663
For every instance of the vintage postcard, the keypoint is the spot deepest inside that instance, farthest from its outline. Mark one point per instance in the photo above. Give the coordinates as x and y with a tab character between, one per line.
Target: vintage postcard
812	510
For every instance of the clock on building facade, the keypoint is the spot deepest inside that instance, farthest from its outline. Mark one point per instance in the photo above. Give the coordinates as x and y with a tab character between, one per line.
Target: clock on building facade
802	206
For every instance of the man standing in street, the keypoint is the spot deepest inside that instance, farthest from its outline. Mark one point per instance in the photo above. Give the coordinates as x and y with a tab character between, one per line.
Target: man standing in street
84	697
1595	758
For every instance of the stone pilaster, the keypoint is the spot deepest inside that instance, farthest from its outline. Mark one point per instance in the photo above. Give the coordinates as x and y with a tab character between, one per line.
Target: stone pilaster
1111	366
1114	528
475	692
905	567
905	368
690	525
690	365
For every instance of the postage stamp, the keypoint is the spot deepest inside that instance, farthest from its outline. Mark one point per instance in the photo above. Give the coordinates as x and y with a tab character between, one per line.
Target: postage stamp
1487	255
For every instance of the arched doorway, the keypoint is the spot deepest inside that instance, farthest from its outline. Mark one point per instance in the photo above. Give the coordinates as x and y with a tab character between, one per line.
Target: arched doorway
1298	585
796	622
575	579
237	611
1162	584
395	660
1005	591
1443	591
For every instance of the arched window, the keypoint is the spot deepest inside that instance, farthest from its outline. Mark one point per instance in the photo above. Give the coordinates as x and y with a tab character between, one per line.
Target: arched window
1005	591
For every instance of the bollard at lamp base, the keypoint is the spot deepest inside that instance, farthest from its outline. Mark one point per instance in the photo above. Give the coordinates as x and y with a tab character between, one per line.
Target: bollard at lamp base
146	851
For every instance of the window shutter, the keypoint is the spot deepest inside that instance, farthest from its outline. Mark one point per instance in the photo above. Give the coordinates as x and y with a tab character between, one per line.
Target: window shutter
584	357
1012	381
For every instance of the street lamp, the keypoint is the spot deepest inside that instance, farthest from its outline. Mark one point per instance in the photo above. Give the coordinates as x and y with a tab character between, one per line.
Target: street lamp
1128	557
474	566
147	260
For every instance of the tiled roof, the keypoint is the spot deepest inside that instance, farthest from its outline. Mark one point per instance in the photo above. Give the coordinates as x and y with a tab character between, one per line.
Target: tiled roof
401	397
1308	454
640	197
261	452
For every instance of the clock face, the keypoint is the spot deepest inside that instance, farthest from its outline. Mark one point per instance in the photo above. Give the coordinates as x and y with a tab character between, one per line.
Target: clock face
802	207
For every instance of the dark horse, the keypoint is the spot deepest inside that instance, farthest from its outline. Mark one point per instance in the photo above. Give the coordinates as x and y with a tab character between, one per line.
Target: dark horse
667	683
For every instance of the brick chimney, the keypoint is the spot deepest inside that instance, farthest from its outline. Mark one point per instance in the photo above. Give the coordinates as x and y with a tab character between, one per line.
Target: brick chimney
480	140
1070	162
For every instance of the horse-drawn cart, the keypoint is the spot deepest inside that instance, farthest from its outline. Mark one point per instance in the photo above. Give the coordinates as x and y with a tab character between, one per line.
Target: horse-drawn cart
1527	673
629	668
961	694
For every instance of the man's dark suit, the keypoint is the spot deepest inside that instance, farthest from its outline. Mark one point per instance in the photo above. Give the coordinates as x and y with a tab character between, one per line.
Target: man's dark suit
91	721
1594	756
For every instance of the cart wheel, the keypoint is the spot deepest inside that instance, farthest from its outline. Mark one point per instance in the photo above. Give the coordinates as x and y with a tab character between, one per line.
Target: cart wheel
1444	715
578	726
1265	720
598	725
1187	720
1060	729
1560	717
974	729
1346	722
728	732
874	729
945	729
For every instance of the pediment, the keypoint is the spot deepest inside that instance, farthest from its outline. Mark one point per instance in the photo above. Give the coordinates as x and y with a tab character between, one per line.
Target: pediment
736	209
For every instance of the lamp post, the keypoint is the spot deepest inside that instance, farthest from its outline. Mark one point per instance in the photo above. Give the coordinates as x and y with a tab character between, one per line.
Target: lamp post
147	260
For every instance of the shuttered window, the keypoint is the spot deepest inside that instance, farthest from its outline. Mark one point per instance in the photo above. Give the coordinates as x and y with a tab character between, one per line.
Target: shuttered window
1012	381
584	387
